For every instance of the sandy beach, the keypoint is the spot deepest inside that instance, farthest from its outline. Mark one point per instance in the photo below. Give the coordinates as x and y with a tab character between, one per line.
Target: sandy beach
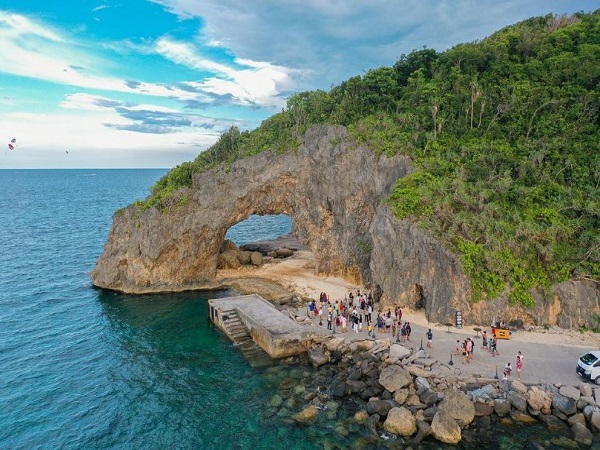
550	354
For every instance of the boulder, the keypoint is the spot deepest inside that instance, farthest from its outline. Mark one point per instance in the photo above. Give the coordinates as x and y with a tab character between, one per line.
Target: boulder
317	357
421	385
486	392
228	260
334	343
577	418
423	430
586	390
380	407
457	405
539	400
518	400
589	410
372	423
566	405
361	416
429	397
553	423
399	352
483	409
256	258
401	395
418	372
570	392
501	407
516	385
244	257
581	434
595	421
394	377
520	416
400	421
339	389
228	244
281	252
308	414
445	429
355	386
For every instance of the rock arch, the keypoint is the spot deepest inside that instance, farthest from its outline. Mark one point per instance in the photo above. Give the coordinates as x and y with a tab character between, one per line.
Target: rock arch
334	191
331	188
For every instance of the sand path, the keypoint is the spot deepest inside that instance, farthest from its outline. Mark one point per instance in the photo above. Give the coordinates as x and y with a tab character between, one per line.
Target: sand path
550	355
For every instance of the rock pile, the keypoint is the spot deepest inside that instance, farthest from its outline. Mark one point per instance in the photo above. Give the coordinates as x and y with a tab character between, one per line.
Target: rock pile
231	257
408	394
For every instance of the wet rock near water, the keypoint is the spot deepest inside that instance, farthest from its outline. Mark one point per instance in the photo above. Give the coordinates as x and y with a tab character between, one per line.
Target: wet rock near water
374	383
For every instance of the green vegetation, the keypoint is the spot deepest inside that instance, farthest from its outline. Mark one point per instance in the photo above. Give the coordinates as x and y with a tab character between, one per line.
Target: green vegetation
505	134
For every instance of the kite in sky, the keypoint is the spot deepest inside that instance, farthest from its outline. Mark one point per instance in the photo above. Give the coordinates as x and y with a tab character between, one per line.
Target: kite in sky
12	144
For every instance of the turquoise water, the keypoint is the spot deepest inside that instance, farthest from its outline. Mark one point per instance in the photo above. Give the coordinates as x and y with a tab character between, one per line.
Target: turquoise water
81	368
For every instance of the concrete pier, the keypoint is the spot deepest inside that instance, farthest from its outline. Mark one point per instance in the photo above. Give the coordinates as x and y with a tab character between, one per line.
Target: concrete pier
273	331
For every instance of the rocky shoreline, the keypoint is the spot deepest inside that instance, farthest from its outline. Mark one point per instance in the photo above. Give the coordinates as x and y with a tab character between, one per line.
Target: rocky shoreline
405	394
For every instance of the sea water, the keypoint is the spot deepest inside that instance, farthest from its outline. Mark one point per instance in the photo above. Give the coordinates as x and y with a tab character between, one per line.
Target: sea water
82	368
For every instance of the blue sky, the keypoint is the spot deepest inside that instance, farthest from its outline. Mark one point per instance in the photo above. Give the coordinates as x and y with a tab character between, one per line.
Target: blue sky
151	83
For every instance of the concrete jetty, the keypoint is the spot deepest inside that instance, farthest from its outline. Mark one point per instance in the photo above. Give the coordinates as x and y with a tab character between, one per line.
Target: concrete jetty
251	316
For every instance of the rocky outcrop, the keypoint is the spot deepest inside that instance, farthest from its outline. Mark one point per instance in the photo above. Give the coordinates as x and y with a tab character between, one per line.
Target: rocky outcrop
331	188
334	190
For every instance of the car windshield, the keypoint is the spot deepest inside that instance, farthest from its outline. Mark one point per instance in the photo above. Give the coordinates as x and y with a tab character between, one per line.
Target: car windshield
588	359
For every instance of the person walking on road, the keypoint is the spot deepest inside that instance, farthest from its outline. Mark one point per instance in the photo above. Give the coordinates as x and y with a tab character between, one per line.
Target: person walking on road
429	338
519	364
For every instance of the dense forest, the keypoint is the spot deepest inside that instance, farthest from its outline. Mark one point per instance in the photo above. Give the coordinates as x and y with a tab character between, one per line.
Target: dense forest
505	135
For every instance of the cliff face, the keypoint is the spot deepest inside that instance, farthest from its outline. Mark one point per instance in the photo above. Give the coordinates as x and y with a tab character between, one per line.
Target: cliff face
334	191
331	188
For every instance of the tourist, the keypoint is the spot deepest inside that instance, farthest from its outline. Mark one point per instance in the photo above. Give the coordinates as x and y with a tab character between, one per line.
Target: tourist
321	315
429	338
519	364
388	322
469	349
379	323
464	352
494	346
507	371
484	340
369	329
403	333
369	312
329	320
408	331
457	347
311	309
344	323
394	326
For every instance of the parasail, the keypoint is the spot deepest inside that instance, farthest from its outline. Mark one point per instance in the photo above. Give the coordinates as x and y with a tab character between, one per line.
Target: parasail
12	144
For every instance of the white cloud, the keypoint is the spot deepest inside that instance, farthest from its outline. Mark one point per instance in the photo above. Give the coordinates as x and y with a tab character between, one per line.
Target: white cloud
339	39
258	83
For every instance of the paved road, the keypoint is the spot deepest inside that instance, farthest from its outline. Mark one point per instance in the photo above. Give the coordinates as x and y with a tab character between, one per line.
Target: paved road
542	363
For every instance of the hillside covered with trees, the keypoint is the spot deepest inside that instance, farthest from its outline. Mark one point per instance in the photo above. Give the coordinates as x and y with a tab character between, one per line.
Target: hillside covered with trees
505	135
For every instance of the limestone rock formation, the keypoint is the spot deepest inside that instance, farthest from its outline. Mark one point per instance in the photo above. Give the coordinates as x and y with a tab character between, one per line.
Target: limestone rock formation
331	189
334	190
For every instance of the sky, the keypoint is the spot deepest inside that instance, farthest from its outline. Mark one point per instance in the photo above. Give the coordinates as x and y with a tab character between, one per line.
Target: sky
152	83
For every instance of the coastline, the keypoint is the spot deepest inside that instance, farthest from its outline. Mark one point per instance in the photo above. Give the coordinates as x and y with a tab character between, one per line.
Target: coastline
297	276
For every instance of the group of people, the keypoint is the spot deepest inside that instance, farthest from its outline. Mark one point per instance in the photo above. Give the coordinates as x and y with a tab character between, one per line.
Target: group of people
490	344
508	368
356	311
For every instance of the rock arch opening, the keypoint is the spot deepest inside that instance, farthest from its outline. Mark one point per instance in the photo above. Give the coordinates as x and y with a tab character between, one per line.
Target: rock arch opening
259	228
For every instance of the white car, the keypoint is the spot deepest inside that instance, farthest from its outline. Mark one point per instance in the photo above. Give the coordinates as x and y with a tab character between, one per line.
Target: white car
588	366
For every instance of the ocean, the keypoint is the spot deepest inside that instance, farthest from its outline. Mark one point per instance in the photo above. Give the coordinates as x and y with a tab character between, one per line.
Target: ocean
82	368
